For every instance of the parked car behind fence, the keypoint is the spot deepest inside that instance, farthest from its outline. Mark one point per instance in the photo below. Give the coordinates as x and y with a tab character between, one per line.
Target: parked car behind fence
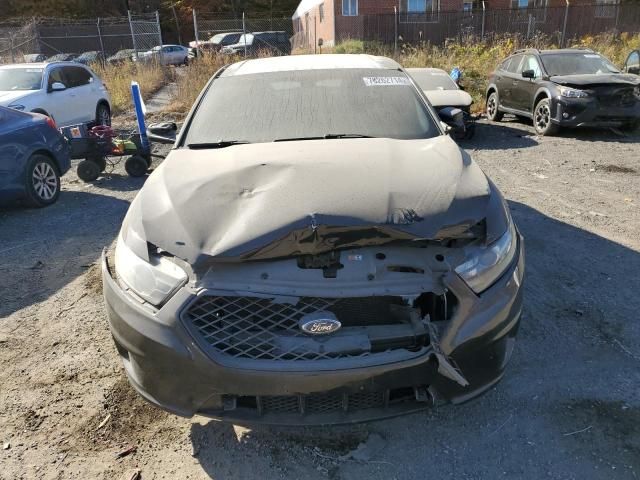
166	55
272	42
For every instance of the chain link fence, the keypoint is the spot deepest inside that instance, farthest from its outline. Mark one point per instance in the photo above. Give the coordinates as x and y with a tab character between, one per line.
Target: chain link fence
399	27
260	34
40	38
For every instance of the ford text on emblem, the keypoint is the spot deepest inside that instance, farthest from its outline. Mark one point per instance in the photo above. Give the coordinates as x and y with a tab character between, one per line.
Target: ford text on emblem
319	323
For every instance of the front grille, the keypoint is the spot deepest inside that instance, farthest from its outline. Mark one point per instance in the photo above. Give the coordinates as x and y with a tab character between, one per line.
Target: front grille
620	97
267	329
317	403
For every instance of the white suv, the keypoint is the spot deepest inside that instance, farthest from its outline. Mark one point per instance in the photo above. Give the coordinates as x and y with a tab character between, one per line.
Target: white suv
68	92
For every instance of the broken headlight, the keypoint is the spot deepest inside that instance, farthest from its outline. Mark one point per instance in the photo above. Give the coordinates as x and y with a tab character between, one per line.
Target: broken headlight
485	264
153	281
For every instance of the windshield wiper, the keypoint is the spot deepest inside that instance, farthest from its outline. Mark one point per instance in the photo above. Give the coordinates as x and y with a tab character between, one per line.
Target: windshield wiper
220	144
328	136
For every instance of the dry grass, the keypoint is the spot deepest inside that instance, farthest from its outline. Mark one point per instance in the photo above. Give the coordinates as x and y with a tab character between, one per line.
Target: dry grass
196	76
151	76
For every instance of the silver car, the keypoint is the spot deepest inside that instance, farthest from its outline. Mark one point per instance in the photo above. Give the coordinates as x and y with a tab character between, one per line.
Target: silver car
315	249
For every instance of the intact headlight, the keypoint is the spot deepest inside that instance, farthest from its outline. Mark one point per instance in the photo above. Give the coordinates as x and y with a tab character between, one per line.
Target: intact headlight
485	264
153	281
573	92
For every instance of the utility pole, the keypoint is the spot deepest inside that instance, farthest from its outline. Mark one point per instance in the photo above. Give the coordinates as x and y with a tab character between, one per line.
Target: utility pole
175	17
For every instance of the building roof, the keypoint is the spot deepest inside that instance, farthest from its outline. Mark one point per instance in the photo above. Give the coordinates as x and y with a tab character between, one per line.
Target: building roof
309	62
304	6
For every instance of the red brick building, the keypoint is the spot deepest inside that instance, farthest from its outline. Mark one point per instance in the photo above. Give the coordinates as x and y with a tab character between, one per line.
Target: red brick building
436	20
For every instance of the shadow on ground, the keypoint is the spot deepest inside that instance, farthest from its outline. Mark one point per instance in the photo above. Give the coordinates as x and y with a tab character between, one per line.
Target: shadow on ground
42	250
568	407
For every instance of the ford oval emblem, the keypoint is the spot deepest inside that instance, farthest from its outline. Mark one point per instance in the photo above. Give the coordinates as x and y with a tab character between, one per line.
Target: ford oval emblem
319	323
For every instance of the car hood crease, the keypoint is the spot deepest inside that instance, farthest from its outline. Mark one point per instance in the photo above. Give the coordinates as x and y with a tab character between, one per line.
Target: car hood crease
270	200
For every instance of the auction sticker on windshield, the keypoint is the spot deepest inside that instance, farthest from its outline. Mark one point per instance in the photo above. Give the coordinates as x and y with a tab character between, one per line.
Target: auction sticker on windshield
382	81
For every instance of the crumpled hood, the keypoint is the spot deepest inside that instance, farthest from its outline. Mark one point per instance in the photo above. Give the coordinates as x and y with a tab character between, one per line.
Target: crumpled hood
601	79
8	97
286	198
448	98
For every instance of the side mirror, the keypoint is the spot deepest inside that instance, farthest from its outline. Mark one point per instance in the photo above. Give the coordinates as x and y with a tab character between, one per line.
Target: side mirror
162	132
453	118
58	87
635	70
528	74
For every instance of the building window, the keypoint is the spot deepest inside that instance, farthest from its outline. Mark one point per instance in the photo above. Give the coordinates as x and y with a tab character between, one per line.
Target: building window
606	8
321	12
416	6
349	8
470	6
422	6
529	3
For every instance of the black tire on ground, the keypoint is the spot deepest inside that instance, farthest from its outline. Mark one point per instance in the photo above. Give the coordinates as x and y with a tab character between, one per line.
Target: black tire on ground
136	166
88	170
42	181
493	112
103	114
100	161
542	118
470	131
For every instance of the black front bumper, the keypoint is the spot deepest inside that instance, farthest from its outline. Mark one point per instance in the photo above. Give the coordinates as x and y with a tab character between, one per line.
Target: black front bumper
589	112
165	365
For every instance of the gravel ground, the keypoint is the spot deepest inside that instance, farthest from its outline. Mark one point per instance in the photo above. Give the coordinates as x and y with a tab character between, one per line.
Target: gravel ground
568	407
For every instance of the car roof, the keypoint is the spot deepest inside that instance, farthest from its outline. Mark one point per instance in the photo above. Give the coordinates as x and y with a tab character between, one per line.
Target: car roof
26	65
43	65
309	62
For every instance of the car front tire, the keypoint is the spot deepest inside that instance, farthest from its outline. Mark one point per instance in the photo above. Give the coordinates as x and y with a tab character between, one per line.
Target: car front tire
493	112
42	181
542	118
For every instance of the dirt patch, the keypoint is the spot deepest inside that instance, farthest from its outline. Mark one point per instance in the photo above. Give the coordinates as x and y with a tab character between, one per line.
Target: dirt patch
129	419
615	169
93	280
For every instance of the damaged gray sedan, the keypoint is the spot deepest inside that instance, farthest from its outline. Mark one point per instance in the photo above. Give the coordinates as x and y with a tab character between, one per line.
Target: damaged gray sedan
315	249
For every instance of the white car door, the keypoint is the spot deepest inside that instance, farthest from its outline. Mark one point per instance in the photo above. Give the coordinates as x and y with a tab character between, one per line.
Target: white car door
59	104
82	92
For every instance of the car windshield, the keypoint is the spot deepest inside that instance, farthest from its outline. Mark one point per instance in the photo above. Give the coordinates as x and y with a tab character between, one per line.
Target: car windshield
20	79
576	64
429	80
246	38
304	104
217	38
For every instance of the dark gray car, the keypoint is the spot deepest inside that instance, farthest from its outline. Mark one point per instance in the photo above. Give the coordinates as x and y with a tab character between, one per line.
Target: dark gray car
564	88
321	253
